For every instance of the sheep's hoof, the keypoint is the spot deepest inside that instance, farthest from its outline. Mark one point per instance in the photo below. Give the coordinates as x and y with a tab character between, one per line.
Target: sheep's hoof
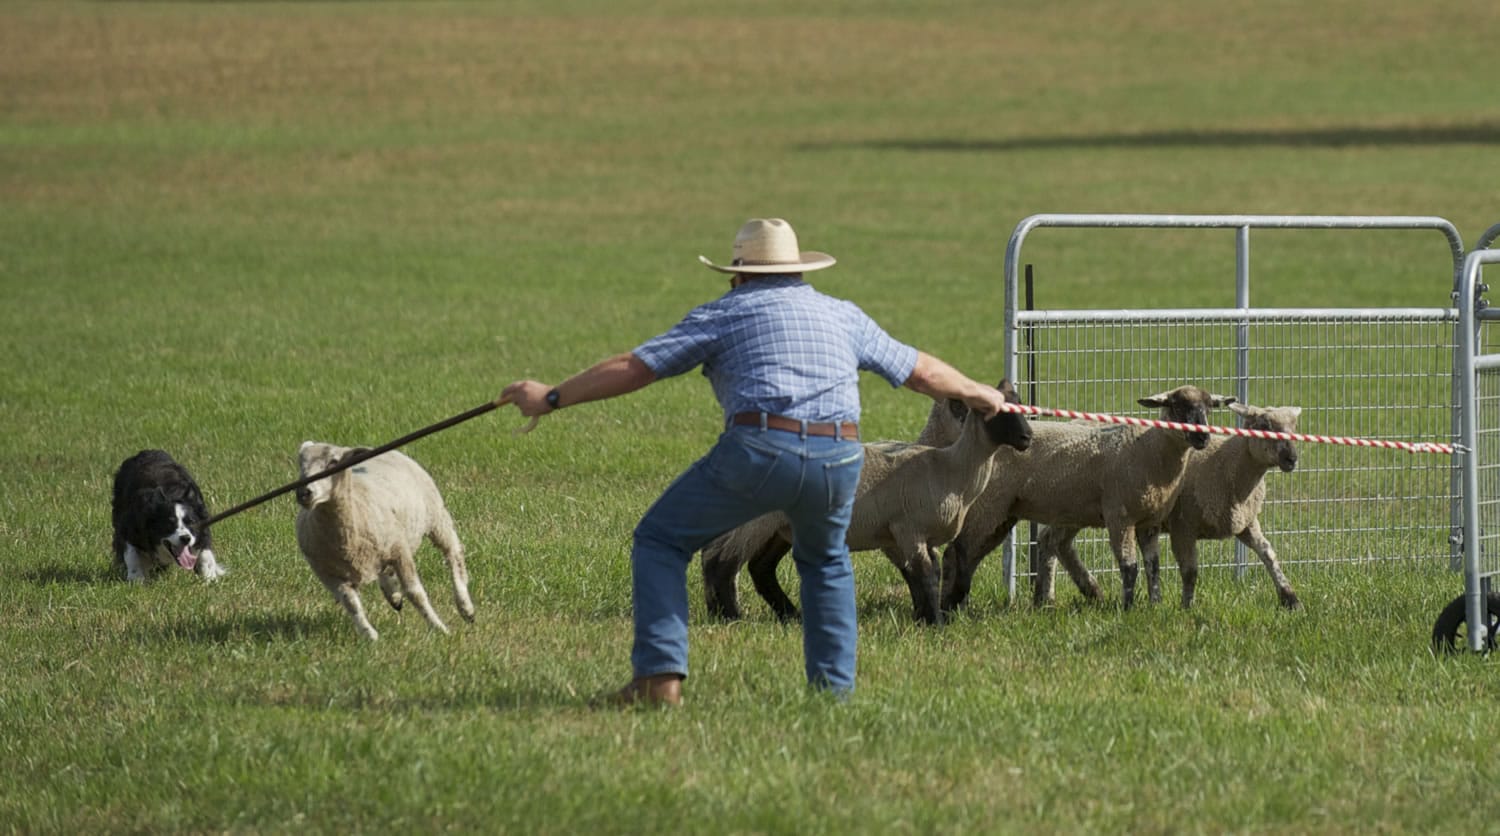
929	619
722	612
1289	601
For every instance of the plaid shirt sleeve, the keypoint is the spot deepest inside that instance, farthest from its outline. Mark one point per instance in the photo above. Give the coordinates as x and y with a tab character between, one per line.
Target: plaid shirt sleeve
682	348
879	352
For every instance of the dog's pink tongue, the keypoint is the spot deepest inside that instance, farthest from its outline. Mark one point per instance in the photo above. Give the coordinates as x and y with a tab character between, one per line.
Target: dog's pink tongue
186	559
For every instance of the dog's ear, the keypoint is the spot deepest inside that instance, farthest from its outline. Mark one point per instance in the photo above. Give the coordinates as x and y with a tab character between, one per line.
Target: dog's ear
195	498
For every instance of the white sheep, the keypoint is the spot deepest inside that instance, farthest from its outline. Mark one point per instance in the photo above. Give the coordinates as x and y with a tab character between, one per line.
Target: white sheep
1221	495
1081	474
365	524
911	499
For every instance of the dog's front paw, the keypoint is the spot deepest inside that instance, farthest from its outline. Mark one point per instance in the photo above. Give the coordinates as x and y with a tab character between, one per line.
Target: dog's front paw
209	568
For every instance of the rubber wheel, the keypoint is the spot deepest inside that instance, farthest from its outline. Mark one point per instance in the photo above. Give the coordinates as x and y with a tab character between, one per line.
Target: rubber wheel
1450	633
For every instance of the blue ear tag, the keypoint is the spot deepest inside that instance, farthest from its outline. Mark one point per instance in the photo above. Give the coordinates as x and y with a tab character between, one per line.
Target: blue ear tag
358	469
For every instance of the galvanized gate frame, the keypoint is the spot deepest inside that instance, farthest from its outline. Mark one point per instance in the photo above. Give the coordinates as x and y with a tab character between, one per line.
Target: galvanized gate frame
1472	313
1242	224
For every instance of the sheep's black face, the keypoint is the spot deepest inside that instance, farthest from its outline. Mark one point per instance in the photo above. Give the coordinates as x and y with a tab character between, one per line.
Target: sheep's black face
1009	428
1188	405
1197	440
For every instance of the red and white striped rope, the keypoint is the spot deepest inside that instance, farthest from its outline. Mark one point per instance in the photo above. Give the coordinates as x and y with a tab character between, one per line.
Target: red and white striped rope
1408	446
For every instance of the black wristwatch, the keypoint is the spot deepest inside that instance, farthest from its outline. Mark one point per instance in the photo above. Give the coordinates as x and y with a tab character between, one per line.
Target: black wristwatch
552	399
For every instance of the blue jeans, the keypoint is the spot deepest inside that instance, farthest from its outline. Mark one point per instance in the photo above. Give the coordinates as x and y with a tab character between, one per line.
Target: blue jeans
747	473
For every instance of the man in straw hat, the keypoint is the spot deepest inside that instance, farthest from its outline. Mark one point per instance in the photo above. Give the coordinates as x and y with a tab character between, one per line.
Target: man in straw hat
783	360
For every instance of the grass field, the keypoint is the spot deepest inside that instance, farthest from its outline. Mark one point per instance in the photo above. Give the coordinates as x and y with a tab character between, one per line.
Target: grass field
229	227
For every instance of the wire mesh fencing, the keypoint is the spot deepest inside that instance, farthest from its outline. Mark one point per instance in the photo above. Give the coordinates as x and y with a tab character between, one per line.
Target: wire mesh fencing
1385	373
1487	458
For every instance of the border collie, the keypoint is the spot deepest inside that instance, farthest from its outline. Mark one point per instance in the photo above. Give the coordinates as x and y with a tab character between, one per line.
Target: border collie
158	518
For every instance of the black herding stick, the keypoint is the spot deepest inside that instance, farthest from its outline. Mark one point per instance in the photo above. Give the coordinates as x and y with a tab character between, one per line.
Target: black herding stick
369	454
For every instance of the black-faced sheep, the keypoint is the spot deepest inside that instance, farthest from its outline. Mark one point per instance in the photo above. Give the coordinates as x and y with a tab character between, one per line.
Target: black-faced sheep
760	544
365	524
1223	489
911	499
1085	475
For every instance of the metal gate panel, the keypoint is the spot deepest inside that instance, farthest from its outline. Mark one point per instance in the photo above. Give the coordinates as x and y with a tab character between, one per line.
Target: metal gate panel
1478	374
1486	405
1380	373
1369	373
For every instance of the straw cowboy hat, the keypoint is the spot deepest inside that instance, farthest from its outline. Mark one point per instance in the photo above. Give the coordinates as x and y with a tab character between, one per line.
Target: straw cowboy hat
768	245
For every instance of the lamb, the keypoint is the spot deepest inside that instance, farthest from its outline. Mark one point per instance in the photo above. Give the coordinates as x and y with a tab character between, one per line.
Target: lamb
1119	477
366	522
1222	491
911	499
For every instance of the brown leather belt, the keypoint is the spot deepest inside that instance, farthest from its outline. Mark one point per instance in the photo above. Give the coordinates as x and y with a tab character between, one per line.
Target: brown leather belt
837	429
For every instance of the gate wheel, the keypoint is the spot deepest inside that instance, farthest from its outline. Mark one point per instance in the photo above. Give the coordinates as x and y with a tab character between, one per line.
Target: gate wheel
1449	633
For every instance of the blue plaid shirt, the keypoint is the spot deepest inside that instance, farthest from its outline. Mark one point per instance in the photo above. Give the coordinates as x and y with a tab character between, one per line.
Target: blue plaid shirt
774	344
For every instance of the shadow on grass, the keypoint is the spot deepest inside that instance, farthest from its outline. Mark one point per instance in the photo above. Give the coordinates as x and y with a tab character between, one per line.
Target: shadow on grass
356	698
1335	137
898	610
279	627
70	575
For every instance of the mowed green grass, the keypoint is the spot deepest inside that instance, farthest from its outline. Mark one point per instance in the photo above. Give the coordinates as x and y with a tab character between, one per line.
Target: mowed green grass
229	227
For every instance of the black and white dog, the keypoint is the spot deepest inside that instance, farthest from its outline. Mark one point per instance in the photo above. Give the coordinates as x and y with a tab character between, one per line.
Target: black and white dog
158	517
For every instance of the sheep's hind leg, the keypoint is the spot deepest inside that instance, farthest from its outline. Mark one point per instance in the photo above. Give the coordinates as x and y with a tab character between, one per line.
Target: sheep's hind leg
445	538
1185	550
1059	543
921	567
762	568
932	584
406	571
1148	541
1122	541
720	568
348	596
